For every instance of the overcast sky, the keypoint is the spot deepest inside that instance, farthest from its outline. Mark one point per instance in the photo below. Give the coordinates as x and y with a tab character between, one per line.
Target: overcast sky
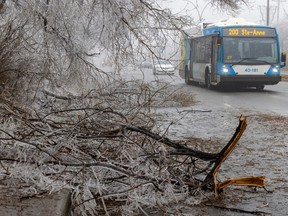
251	13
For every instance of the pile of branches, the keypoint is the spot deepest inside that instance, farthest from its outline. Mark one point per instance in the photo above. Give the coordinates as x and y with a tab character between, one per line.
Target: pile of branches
107	152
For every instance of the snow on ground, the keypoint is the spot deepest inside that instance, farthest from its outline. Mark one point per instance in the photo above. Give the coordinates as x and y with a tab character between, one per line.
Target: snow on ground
261	150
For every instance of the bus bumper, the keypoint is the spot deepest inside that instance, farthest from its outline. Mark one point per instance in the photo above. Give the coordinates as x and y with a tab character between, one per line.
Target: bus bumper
248	80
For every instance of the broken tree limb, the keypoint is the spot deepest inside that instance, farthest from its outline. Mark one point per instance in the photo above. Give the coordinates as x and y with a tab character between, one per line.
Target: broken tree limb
227	151
257	181
180	148
216	159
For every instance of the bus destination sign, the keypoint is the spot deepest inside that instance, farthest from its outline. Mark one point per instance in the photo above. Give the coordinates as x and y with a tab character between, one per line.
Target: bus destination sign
249	32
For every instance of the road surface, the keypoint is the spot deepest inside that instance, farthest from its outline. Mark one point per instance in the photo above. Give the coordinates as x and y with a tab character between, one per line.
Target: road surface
273	99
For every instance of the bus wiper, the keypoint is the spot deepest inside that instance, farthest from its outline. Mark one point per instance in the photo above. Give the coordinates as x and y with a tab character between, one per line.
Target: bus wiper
264	61
256	59
241	60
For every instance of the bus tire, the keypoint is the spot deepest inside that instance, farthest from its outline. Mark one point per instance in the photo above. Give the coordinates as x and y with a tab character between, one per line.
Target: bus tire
187	81
207	79
260	87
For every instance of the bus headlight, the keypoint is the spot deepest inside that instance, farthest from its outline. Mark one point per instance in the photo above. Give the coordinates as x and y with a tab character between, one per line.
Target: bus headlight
275	69
225	69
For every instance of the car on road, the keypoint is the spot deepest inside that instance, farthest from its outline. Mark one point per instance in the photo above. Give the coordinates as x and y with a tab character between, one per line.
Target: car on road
163	67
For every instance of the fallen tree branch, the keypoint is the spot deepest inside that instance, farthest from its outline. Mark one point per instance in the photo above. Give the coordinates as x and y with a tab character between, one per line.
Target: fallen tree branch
194	111
56	96
257	181
180	149
239	210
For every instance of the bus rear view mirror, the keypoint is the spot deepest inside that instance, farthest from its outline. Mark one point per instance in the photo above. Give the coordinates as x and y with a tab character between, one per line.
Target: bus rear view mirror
283	59
219	41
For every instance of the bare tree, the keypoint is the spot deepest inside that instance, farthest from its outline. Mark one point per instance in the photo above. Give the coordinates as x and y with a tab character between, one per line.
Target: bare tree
60	38
282	33
229	4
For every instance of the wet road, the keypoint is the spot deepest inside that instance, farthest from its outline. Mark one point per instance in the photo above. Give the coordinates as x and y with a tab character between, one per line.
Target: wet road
273	99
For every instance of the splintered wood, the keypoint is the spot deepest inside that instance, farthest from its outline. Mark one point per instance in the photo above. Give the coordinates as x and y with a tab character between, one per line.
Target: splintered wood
257	181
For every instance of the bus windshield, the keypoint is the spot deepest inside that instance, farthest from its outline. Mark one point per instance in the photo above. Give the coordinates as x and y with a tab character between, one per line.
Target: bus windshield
240	50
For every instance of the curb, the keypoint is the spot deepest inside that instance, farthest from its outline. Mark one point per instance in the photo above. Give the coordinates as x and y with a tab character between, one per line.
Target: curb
56	204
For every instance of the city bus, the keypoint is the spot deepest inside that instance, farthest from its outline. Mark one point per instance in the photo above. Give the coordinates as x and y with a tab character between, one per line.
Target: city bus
232	53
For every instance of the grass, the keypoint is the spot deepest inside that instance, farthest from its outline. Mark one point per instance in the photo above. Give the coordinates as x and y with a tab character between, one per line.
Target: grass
284	76
184	98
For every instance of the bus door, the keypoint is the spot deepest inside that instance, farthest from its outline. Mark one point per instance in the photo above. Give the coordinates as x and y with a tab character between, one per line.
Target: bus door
215	58
192	56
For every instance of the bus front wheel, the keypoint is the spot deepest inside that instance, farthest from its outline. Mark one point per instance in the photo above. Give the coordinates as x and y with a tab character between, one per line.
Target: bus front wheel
207	80
187	81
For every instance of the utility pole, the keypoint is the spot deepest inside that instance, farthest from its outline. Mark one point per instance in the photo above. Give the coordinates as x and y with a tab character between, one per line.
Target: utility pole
267	17
278	9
